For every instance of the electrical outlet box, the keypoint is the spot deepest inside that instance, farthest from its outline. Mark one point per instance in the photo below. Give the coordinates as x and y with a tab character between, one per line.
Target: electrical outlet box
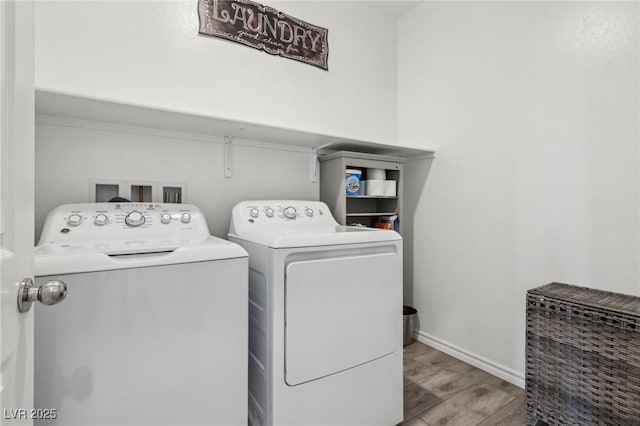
141	193
103	190
173	192
106	191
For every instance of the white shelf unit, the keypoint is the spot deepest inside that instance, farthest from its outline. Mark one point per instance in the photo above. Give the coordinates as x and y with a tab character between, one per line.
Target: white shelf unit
359	209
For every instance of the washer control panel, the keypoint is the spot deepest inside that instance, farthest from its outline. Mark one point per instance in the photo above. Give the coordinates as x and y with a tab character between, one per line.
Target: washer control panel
113	221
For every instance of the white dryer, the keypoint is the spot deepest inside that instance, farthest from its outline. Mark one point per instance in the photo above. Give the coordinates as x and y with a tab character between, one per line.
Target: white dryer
325	316
154	327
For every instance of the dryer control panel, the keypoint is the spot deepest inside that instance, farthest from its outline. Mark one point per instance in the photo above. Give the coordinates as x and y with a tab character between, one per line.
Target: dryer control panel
281	216
282	210
124	221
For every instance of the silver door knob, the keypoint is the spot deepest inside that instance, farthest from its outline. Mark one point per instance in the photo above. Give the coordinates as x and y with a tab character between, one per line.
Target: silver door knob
49	293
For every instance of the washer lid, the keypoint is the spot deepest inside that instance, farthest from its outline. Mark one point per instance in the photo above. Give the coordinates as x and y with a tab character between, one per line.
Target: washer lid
288	223
58	258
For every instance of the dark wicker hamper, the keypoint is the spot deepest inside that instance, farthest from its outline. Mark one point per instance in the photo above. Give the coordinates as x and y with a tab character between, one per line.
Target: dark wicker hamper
583	356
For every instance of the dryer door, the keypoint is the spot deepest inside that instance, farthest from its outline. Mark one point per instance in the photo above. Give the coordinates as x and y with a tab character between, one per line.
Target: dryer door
340	313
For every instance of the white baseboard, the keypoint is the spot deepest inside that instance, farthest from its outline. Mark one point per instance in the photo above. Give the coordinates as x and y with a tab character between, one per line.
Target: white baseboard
491	367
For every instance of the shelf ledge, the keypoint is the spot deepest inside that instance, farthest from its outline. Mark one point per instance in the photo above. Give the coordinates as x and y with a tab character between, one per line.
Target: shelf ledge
49	102
385	197
370	214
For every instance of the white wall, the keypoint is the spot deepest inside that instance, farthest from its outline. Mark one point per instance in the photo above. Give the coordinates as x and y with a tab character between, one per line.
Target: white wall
534	110
149	53
533	107
70	152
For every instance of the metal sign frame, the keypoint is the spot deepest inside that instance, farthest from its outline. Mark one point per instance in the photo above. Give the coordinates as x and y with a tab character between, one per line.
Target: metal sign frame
264	28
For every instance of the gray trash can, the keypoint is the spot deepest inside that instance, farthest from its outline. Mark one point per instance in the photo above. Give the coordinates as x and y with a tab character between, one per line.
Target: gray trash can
409	324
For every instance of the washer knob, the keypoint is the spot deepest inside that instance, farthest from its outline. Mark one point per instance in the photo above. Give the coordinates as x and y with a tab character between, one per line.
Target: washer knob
254	212
165	218
309	212
74	220
269	212
289	212
135	218
101	220
185	218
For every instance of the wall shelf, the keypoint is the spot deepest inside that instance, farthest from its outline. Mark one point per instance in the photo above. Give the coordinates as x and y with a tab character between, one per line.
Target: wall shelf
51	103
370	214
372	197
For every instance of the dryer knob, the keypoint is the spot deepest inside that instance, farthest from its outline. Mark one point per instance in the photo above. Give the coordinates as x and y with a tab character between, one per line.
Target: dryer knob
254	212
74	220
269	212
101	219
289	212
165	218
134	218
185	218
309	212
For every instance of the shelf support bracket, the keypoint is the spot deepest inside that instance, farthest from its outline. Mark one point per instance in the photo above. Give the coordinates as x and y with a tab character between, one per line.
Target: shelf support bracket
228	139
227	156
315	170
314	164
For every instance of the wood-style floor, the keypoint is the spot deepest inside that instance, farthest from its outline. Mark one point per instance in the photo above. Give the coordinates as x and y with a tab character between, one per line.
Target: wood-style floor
441	390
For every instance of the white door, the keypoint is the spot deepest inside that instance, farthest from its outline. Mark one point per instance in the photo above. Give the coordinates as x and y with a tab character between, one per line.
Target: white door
341	313
16	207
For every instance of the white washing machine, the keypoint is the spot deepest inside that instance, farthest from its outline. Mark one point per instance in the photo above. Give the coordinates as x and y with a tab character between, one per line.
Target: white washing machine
325	316
154	327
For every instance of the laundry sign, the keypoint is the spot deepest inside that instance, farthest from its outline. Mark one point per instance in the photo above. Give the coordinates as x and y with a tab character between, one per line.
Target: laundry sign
264	28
